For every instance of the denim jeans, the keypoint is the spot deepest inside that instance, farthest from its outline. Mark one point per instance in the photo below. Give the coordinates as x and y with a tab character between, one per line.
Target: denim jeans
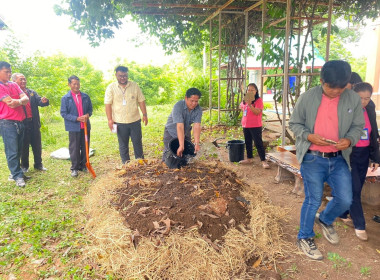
316	170
13	133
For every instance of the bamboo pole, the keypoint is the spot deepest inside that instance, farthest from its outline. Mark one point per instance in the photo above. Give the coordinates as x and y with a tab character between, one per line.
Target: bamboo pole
328	31
245	49
220	60
210	63
286	71
263	19
291	74
214	14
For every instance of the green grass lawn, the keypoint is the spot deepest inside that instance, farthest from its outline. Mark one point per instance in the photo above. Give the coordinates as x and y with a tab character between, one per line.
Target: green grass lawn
41	226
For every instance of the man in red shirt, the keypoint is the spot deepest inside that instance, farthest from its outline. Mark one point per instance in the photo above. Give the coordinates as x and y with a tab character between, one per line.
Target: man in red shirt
12	98
32	124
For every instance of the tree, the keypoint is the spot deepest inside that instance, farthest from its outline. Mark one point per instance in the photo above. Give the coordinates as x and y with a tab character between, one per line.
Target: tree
97	19
48	75
178	25
155	82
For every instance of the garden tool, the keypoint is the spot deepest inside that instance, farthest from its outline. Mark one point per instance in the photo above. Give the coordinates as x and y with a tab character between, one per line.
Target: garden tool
88	165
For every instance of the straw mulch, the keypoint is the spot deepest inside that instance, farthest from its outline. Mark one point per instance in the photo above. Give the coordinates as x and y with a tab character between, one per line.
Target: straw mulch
181	255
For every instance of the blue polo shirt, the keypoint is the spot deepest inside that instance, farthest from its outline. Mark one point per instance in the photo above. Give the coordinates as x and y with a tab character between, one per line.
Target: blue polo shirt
181	114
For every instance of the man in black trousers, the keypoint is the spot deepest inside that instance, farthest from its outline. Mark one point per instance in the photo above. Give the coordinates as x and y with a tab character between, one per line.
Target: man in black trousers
32	134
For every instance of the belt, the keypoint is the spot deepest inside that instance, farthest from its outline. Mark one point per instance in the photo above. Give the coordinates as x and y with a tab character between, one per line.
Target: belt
11	121
323	154
28	119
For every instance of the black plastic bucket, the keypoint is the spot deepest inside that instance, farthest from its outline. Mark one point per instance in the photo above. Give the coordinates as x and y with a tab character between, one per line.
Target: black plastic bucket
172	160
236	150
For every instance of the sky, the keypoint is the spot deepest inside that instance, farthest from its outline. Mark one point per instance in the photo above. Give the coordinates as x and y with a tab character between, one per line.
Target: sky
39	28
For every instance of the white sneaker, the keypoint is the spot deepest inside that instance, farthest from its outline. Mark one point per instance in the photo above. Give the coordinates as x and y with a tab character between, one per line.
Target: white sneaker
20	182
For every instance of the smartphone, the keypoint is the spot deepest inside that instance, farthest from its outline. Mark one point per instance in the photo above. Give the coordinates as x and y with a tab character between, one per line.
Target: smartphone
330	141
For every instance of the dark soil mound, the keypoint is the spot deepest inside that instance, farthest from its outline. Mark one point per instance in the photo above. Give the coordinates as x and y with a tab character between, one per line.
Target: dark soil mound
156	200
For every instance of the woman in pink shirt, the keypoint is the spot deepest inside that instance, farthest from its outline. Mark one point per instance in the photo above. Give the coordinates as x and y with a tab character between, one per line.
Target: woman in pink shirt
365	150
252	126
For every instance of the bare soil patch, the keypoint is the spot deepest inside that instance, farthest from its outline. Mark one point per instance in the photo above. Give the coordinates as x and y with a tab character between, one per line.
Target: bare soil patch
220	227
155	200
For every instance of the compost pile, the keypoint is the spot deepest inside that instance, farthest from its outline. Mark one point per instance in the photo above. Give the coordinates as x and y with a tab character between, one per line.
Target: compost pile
156	200
146	221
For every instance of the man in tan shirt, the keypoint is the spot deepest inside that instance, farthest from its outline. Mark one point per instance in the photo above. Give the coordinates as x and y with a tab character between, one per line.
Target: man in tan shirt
122	100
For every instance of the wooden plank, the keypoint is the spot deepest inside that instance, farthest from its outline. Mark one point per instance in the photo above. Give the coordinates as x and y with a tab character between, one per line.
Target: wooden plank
290	148
286	160
214	14
286	157
253	6
373	174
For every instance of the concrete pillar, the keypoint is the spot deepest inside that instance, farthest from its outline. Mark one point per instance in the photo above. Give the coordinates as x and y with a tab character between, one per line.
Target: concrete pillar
373	64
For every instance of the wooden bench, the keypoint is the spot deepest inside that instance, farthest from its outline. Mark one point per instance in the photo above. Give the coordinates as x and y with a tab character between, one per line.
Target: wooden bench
371	188
288	166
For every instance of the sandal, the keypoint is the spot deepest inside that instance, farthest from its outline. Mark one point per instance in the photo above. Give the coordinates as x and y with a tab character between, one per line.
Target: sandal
246	161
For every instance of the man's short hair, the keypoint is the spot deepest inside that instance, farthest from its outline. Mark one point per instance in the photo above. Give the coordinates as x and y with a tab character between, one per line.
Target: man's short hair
73	77
4	64
355	78
336	73
121	69
363	87
193	91
15	75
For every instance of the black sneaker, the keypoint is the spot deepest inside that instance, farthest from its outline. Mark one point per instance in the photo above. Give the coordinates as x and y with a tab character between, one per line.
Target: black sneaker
74	173
41	168
328	231
24	169
10	177
376	218
309	248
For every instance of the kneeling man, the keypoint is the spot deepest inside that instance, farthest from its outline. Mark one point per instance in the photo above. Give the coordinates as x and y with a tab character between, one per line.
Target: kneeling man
185	113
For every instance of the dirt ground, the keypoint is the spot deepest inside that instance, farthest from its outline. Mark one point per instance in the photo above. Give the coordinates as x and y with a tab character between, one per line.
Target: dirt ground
204	207
155	200
350	259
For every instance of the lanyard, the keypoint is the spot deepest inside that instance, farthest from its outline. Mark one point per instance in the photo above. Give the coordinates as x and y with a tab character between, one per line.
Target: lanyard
123	91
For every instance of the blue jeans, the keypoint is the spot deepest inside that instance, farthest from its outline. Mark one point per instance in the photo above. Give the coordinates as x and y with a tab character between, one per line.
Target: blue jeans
13	134
316	170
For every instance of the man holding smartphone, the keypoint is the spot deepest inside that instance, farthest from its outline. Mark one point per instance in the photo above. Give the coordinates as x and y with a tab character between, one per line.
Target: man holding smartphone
327	122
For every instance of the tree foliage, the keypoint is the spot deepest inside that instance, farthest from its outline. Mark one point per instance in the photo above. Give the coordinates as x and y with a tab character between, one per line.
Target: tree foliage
97	19
48	74
155	82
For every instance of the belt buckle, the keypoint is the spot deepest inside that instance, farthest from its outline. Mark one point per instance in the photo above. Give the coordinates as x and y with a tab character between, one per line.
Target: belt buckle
323	155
